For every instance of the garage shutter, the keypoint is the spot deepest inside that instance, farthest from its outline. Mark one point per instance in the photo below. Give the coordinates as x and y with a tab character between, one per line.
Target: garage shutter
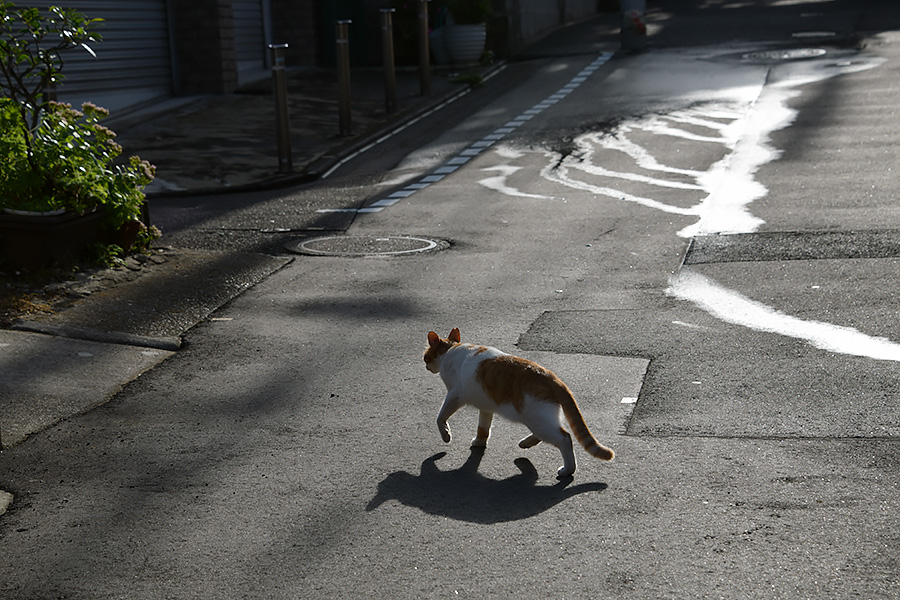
249	38
133	63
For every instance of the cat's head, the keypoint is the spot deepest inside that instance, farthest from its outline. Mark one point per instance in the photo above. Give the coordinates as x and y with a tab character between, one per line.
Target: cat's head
437	347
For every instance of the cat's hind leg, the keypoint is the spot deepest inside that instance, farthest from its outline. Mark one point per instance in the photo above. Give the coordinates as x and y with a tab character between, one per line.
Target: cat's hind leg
568	454
529	441
550	431
485	418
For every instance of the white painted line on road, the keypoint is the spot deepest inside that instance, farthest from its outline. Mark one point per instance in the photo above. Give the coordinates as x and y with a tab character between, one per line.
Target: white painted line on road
474	149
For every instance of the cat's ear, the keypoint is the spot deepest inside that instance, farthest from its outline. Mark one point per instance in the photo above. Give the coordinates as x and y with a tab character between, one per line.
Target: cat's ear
433	339
454	335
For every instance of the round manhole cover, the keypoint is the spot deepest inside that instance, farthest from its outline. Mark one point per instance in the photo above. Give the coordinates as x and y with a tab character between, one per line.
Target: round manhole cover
367	245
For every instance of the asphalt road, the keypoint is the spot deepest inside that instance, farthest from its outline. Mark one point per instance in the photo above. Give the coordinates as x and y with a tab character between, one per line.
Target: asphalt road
289	449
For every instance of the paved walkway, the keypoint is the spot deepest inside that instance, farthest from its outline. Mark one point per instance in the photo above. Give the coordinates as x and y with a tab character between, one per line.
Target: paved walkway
228	142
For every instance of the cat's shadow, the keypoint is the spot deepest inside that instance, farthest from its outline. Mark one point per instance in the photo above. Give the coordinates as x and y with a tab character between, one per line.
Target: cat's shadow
466	495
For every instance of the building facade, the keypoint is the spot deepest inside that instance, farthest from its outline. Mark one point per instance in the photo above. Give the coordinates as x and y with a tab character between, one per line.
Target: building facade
156	49
153	49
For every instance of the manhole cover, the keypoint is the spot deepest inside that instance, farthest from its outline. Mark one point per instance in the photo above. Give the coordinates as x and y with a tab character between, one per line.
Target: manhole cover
367	245
785	54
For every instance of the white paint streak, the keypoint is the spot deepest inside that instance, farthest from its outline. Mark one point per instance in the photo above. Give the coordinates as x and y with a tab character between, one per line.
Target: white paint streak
638	153
560	174
742	121
498	183
732	307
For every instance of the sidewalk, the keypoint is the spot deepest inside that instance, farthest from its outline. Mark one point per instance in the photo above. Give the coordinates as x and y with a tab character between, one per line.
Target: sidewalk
211	144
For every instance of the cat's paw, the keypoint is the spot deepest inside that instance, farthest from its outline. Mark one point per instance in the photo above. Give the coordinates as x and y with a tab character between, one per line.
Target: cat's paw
479	442
564	472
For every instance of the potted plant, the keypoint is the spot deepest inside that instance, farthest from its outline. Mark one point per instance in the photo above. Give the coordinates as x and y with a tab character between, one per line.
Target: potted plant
466	30
62	185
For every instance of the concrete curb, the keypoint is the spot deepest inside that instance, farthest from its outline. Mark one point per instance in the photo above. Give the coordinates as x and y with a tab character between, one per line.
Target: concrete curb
315	169
93	335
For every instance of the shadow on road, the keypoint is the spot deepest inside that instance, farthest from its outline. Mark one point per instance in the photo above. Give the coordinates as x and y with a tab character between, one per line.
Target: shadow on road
466	495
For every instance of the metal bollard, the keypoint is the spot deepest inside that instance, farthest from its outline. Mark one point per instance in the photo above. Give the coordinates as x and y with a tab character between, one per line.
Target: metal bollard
343	67
387	51
282	125
424	59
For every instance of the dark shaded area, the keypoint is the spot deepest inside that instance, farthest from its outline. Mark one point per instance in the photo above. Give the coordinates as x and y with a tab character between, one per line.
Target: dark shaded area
466	495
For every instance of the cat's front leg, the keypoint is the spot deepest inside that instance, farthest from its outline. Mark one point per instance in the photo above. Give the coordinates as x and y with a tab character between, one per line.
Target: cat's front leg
484	429
450	406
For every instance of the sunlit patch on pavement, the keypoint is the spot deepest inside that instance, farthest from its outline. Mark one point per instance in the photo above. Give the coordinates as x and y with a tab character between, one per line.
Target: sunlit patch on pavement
735	308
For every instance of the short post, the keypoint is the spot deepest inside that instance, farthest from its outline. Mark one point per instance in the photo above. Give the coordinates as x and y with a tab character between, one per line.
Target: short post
424	59
387	51
343	67
282	125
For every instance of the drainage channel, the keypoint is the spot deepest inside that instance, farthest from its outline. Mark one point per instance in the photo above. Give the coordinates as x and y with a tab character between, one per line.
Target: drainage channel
367	245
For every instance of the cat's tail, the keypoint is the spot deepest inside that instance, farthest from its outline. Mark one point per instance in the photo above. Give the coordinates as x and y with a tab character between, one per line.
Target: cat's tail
579	428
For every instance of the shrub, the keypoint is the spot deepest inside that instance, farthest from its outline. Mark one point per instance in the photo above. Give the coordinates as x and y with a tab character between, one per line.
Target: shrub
57	157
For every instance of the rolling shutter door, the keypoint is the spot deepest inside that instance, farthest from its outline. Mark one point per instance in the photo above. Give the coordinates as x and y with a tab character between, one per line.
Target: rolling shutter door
249	38
133	63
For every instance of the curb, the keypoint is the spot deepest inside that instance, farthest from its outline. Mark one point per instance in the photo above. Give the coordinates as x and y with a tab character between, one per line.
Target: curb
318	167
93	335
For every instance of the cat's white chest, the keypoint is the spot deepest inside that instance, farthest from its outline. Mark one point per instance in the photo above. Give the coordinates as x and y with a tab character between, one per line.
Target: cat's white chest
459	373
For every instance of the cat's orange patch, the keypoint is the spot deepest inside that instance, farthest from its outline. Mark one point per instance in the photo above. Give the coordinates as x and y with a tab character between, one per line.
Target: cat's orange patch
507	379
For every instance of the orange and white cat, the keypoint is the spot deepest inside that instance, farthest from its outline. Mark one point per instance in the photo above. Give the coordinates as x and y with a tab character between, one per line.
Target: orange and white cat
519	389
